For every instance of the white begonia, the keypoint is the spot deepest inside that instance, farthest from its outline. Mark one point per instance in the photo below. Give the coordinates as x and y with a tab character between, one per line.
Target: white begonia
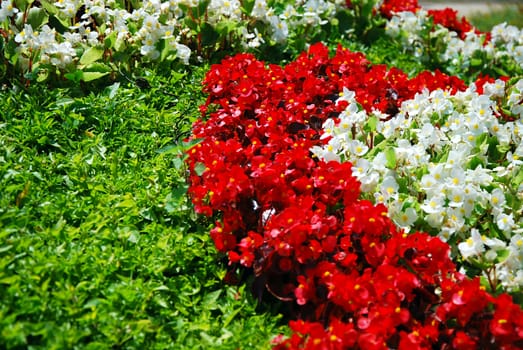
497	200
456	197
389	188
496	89
252	40
434	204
260	10
449	191
149	49
516	244
358	148
7	10
279	28
379	163
220	9
360	168
473	246
406	218
183	52
505	222
347	96
369	181
25	37
61	54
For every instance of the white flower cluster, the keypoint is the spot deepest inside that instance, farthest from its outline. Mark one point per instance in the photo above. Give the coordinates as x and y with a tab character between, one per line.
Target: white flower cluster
410	28
444	161
301	13
154	20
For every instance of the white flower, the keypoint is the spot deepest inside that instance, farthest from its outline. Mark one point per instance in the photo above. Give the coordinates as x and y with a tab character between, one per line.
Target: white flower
406	218
280	30
183	53
496	89
389	188
358	148
473	246
434	205
7	10
497	199
360	167
505	222
61	54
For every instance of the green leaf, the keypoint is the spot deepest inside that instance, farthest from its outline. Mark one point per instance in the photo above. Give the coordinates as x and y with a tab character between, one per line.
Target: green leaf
110	40
57	23
37	17
91	55
90	76
390	156
518	179
112	90
247	6
191	24
209	34
199	168
202	7
371	124
75	76
476	62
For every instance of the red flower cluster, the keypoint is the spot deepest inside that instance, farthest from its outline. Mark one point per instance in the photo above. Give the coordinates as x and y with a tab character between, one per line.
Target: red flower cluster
388	7
447	17
353	279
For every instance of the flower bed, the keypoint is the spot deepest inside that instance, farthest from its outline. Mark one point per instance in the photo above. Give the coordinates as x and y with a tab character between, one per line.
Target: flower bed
352	278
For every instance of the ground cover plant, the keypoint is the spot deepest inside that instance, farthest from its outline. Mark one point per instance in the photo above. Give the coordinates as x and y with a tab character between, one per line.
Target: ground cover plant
101	247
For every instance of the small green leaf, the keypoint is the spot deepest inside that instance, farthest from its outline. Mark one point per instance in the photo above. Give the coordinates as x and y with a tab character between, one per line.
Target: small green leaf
390	156
199	168
476	62
172	148
371	124
247	6
110	40
75	76
90	76
91	55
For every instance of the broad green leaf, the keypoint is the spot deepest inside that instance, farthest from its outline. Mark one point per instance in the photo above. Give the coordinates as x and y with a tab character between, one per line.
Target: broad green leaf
476	62
91	55
36	17
49	7
112	90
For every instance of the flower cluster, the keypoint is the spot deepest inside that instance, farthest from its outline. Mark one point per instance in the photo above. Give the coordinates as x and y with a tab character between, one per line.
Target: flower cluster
439	35
449	160
99	37
352	277
58	34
